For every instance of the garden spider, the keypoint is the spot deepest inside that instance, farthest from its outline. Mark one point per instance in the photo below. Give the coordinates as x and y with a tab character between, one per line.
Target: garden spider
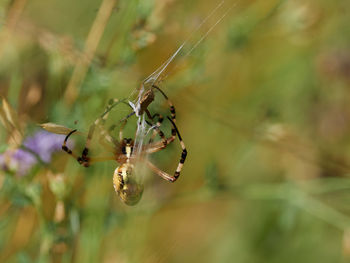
124	182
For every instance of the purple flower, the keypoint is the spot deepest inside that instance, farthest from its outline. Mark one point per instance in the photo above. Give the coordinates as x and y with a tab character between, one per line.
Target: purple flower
42	143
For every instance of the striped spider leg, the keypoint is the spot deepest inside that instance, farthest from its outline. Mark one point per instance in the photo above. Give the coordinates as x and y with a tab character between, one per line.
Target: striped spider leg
158	146
84	159
160	117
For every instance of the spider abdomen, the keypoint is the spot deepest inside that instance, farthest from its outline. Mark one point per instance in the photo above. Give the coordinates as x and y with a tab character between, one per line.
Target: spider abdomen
125	185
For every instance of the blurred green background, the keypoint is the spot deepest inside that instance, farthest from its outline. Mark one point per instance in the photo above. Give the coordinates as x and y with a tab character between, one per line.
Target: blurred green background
262	105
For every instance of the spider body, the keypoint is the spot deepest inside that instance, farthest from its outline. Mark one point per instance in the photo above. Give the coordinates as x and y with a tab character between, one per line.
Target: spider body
125	185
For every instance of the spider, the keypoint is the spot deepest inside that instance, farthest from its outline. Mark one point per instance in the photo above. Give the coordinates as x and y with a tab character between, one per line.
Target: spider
125	185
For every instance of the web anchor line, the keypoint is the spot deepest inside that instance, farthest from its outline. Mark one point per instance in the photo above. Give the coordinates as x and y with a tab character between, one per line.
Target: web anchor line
155	77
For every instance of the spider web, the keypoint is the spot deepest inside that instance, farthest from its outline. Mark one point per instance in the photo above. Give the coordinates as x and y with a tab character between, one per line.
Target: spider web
161	73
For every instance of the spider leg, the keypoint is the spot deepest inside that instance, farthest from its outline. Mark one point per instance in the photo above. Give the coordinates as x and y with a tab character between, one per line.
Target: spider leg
160	120
171	106
123	123
159	123
157	147
183	154
153	147
85	161
165	141
104	133
125	118
158	131
161	173
65	147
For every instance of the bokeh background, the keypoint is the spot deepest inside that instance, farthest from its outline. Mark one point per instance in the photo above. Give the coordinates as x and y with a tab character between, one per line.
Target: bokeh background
262	105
